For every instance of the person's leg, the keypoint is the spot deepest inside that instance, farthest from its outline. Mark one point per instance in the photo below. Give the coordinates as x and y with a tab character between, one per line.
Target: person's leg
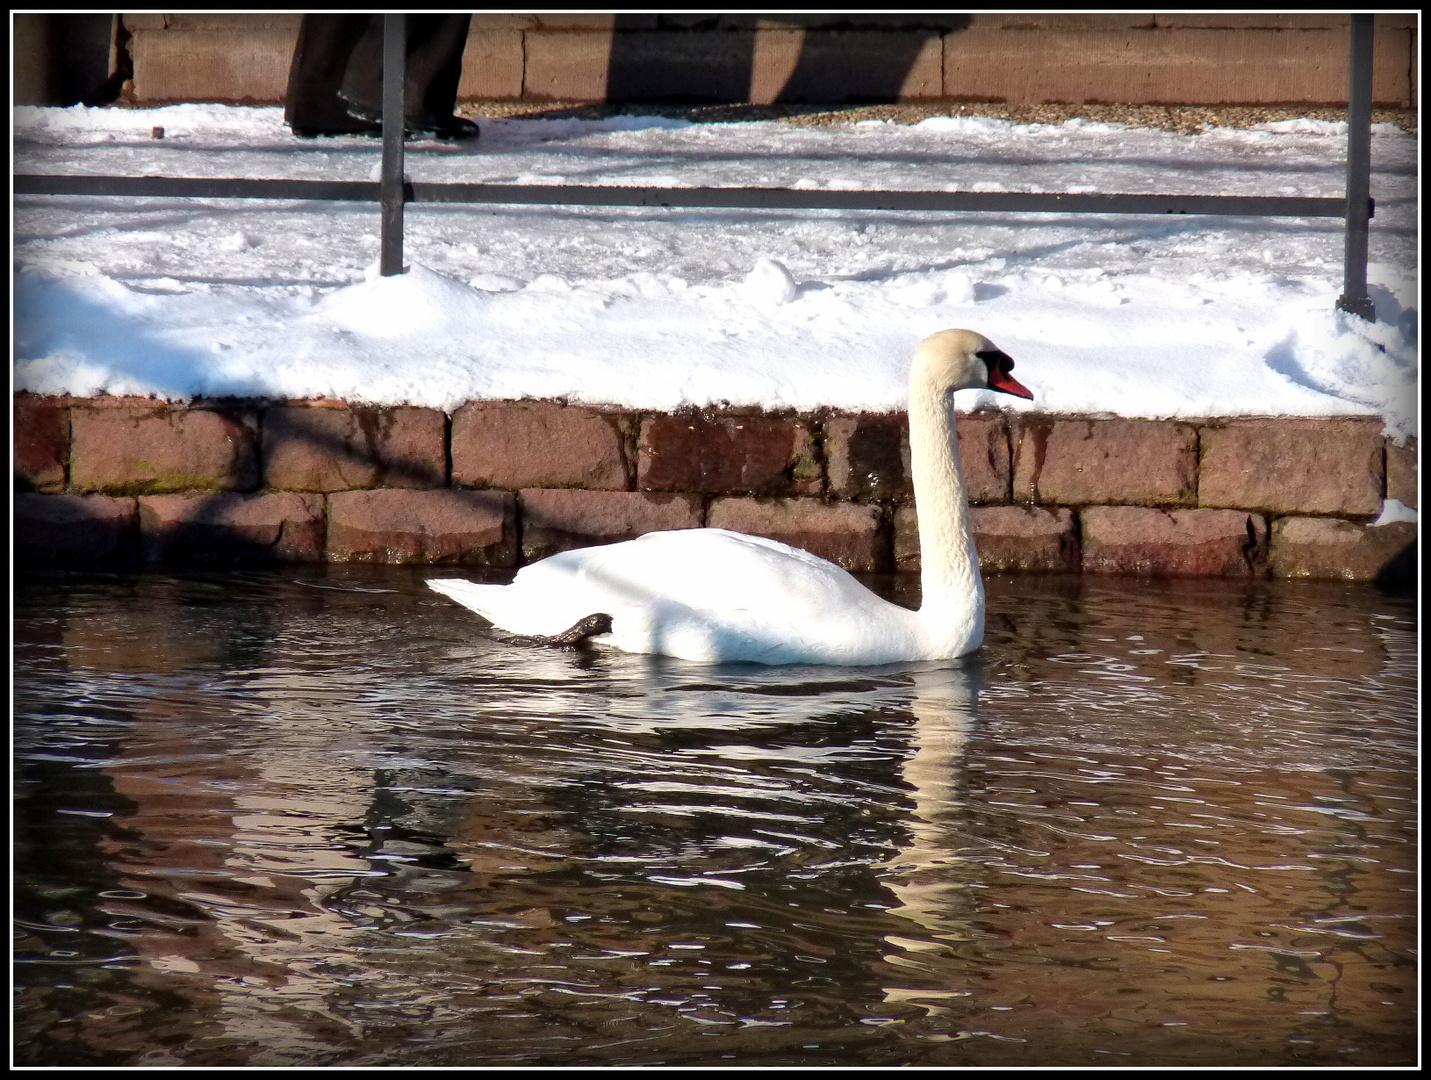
433	73
320	59
433	68
362	85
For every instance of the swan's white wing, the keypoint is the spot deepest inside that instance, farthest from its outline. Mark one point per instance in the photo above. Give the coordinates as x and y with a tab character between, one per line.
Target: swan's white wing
703	594
715	595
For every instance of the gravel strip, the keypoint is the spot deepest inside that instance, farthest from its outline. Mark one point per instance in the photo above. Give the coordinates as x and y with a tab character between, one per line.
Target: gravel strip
1186	119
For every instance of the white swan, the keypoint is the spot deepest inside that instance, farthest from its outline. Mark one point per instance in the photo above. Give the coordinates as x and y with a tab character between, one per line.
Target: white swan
714	595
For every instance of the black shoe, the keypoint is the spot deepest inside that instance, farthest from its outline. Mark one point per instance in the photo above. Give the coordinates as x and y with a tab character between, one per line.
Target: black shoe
457	127
450	127
453	127
360	111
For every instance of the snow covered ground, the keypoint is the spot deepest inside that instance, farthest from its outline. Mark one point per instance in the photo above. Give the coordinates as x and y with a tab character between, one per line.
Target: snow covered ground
656	309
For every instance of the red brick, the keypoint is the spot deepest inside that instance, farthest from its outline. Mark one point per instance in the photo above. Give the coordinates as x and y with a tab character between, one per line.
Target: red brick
1401	472
868	456
522	444
1007	538
556	519
1025	538
1293	466
41	440
413	444
1306	547
1078	462
728	455
75	528
212	65
984	454
1141	540
844	533
450	528
492	60
231	528
325	449
157	448
566	65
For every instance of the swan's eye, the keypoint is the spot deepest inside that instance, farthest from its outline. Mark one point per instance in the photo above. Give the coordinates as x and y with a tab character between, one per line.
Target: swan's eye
997	360
998	364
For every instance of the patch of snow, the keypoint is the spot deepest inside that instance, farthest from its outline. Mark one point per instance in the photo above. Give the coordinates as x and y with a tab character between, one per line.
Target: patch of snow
769	284
1395	510
958	288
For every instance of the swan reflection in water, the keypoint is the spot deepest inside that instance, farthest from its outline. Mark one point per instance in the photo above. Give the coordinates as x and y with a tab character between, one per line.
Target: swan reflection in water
926	875
746	723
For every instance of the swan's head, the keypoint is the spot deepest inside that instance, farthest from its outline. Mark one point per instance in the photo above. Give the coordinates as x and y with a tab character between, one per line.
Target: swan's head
964	360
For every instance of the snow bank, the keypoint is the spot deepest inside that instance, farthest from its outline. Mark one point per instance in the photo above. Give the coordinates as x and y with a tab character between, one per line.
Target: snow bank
1132	316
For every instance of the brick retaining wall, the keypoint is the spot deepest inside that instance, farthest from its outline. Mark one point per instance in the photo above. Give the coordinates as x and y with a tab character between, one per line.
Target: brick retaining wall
130	481
1198	58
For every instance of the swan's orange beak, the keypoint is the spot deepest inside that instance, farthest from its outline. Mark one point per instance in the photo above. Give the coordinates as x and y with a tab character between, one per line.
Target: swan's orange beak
999	365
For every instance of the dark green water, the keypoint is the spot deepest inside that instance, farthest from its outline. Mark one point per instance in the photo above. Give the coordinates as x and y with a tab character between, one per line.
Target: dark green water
321	817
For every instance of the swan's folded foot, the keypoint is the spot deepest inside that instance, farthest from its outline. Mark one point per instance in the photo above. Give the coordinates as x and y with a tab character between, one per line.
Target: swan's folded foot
599	623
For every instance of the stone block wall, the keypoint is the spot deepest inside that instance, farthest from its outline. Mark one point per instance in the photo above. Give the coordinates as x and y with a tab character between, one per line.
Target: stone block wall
1199	58
128	481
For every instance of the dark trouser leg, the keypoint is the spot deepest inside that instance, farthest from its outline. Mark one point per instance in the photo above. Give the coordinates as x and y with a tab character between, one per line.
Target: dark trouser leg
434	66
362	85
320	60
434	69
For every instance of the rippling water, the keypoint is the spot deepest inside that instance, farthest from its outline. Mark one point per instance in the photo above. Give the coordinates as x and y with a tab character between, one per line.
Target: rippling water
320	817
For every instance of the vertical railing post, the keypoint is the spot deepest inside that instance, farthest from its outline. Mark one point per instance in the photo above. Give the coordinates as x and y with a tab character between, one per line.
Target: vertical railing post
394	75
1354	297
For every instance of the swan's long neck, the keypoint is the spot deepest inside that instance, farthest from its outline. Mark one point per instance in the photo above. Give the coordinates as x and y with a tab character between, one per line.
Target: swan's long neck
953	605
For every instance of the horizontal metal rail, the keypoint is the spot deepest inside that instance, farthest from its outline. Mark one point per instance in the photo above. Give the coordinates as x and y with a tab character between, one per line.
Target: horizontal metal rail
735	198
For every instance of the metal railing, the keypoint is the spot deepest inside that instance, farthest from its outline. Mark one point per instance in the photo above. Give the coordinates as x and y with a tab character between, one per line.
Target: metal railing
392	192
1359	208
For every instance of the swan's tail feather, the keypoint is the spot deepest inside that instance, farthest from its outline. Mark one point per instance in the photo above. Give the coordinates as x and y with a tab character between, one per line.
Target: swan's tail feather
482	599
